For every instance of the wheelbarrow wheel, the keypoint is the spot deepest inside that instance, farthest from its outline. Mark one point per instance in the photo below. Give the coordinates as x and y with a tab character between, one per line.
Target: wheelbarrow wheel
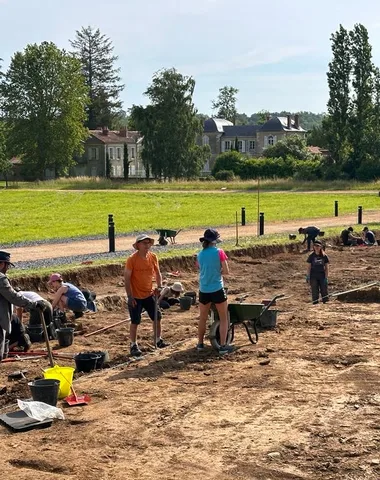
214	335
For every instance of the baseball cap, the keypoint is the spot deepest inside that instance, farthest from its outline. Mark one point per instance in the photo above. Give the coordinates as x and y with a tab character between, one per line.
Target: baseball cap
54	277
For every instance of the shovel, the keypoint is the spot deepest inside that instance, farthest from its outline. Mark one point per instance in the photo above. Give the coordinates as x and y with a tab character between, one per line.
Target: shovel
75	400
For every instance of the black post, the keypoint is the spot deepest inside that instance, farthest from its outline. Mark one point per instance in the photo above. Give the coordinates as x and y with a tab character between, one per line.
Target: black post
336	208
243	216
360	215
111	234
261	223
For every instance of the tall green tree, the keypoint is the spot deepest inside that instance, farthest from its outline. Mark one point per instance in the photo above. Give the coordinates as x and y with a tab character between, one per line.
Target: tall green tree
95	52
170	126
5	163
225	104
360	132
44	97
336	124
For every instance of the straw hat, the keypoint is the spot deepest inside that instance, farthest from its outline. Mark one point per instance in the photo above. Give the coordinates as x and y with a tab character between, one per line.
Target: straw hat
142	237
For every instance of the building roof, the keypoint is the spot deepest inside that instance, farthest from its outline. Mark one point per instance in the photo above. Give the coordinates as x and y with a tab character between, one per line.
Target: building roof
318	150
212	125
130	136
280	124
241	130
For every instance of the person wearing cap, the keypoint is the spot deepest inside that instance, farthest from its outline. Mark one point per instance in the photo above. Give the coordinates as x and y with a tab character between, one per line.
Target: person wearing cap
67	296
311	233
169	295
318	272
369	237
212	265
9	297
140	267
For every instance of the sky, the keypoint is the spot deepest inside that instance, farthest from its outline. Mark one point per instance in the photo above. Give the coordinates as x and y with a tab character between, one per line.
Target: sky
275	53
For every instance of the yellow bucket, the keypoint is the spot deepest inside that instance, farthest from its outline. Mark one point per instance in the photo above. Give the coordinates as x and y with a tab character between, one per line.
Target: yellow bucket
65	377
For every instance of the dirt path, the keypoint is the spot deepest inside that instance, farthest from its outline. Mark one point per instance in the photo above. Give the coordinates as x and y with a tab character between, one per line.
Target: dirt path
56	250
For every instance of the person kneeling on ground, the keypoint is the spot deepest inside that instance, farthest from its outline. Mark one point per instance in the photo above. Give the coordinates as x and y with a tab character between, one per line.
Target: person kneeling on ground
212	264
18	339
318	272
139	269
67	296
369	237
311	233
169	295
349	239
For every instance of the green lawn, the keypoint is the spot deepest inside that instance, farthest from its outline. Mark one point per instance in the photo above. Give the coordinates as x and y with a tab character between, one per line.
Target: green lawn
34	215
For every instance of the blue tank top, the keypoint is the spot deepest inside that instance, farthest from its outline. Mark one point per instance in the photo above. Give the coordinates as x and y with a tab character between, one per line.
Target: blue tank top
210	274
74	293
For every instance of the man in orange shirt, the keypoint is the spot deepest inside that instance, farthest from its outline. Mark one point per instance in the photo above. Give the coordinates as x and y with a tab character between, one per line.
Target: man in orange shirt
139	270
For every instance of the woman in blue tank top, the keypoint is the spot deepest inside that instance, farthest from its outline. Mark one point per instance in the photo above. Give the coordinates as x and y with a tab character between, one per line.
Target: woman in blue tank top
212	264
67	295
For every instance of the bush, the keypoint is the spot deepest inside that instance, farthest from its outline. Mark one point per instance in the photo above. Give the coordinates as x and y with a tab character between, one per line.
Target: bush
230	161
267	168
307	170
225	175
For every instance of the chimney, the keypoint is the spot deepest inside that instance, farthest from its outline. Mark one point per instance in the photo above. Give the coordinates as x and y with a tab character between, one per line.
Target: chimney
105	130
289	121
297	121
123	132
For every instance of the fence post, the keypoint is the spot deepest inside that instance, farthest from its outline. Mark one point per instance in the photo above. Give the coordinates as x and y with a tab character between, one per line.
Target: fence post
336	208
111	234
243	216
261	223
360	215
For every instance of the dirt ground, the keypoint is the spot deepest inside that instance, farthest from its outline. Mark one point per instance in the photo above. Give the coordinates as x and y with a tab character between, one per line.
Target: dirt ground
312	412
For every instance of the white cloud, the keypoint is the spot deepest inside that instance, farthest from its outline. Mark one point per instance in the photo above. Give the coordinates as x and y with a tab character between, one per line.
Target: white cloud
246	60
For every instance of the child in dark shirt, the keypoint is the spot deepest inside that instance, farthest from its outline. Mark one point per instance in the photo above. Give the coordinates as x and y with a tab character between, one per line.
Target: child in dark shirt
318	272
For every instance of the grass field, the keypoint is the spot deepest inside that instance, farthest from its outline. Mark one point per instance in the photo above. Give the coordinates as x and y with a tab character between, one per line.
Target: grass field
34	215
99	183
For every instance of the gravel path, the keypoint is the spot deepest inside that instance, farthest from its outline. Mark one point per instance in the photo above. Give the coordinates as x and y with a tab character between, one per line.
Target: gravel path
68	251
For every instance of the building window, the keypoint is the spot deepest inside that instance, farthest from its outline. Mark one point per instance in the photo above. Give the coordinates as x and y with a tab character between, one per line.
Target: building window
240	145
133	152
270	140
118	153
110	152
251	144
94	153
205	140
227	145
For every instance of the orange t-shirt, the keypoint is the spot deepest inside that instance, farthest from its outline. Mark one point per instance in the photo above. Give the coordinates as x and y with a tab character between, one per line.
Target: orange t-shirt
143	270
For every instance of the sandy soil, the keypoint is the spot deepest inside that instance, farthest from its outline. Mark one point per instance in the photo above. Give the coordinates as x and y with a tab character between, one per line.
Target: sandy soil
44	251
310	413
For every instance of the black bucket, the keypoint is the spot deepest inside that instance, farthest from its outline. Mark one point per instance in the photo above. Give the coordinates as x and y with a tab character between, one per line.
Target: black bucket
192	295
65	336
35	333
6	349
85	362
100	361
185	303
45	391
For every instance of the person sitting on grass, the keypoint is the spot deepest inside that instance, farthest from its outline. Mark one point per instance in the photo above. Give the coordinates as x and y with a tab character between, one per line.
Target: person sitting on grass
369	237
67	296
169	295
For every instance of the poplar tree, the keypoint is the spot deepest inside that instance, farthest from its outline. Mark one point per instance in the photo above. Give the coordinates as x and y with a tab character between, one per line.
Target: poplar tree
95	52
336	123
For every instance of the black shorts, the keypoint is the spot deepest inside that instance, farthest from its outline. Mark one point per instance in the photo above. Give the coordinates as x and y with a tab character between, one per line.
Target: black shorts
215	297
149	305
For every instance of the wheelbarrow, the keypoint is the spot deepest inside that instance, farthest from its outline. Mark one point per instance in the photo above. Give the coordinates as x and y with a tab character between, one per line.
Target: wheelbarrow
165	234
250	315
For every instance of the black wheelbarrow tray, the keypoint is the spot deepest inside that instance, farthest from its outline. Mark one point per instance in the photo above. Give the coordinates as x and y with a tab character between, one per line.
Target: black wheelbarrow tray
246	314
166	233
